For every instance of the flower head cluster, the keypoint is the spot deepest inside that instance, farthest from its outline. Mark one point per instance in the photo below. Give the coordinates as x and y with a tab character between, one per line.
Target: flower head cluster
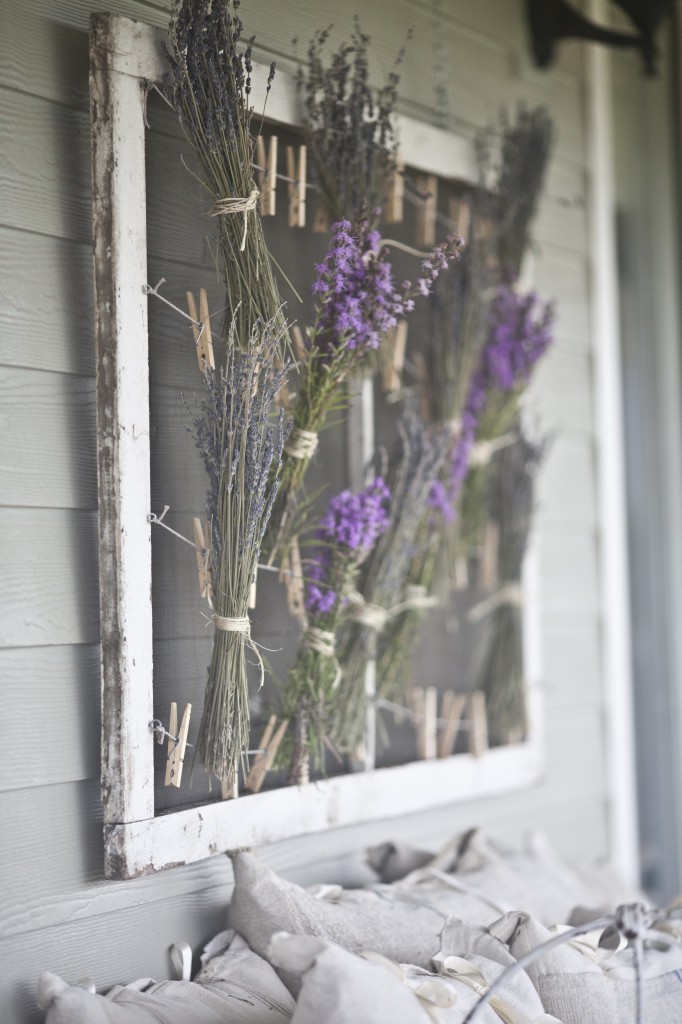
520	332
357	299
347	533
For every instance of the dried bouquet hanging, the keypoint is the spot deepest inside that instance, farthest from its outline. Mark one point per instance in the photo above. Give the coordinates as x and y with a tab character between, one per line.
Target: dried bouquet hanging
347	534
350	129
520	330
210	87
384	591
241	447
356	302
510	493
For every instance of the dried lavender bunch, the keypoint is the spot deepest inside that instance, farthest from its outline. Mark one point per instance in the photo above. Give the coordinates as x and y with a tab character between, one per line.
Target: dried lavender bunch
382	589
346	535
241	447
519	332
356	302
525	152
511	487
210	87
350	129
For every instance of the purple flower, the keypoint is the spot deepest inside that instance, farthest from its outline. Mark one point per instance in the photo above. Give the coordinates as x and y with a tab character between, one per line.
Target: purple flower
348	531
357	299
519	333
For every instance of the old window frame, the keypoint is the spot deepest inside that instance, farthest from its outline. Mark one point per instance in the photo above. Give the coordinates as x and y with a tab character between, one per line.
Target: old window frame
125	55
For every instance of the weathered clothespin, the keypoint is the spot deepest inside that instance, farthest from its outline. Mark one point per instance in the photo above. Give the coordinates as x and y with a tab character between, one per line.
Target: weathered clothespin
177	743
229	787
300	350
269	745
459	212
322	221
202	542
291	575
396	341
394	206
202	333
267	178
252	591
451	713
424	705
297	171
427	184
478	732
487	573
461	573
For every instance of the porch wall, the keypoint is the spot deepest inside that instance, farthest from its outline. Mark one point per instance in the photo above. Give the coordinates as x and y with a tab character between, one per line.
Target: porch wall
56	912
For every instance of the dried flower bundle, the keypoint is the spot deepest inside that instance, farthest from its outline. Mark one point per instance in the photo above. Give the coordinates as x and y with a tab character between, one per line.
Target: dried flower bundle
519	334
346	535
356	301
241	448
350	130
383	587
511	487
210	88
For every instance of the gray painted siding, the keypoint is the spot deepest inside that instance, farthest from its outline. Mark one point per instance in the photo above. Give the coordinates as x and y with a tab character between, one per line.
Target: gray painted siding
56	912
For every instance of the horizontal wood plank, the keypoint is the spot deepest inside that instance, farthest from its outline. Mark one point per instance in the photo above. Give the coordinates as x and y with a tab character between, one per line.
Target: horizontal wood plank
47	441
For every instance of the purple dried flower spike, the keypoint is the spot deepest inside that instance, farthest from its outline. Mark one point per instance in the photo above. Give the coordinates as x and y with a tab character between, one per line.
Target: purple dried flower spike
357	298
520	332
348	531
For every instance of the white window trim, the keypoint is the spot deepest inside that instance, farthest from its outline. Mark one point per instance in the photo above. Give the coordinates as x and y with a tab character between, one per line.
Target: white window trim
124	54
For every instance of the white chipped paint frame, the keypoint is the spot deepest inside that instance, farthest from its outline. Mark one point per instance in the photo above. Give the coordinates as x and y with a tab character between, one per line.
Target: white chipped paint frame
123	54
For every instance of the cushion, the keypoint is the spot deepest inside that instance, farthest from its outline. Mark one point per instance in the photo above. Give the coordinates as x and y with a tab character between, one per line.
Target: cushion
338	987
578	990
382	919
235	987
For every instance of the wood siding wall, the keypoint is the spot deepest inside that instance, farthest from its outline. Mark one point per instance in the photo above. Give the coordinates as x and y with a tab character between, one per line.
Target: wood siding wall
56	912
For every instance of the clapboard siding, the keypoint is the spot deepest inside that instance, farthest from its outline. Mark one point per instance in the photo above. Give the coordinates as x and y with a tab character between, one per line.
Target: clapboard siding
60	881
47	440
56	912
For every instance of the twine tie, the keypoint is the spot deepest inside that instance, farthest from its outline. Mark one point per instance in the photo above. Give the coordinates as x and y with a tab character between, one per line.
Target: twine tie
301	444
237	204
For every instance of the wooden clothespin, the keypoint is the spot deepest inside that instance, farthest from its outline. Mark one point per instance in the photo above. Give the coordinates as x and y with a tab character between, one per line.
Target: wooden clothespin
478	731
291	575
425	704
459	212
396	341
487	572
269	745
461	573
176	747
229	787
267	178
322	221
394	206
297	171
300	350
202	541
427	185
202	333
451	712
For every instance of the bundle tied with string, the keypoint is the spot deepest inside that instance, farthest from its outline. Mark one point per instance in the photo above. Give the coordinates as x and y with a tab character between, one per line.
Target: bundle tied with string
241	446
500	673
345	536
209	86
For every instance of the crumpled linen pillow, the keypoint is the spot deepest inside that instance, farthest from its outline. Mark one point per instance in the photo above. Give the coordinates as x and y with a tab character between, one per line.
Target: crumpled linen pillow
338	987
580	991
383	920
534	880
235	987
